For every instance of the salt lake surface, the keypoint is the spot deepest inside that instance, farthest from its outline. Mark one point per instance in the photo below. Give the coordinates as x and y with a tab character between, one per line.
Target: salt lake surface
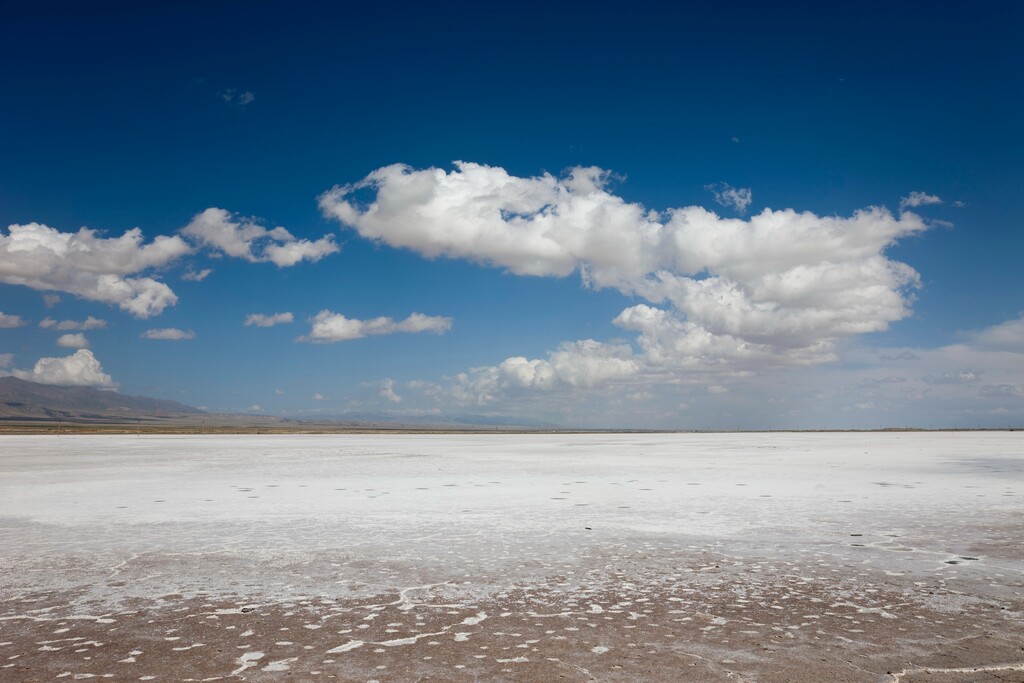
611	557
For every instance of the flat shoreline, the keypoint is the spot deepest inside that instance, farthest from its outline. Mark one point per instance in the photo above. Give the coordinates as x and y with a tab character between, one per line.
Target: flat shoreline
190	428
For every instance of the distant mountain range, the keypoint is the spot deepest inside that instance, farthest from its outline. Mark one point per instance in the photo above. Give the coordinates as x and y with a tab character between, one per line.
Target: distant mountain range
442	420
29	401
22	402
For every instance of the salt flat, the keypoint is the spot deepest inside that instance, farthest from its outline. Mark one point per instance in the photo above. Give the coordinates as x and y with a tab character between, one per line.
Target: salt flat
612	557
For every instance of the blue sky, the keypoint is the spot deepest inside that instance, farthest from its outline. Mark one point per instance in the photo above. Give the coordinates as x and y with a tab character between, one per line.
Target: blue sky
236	118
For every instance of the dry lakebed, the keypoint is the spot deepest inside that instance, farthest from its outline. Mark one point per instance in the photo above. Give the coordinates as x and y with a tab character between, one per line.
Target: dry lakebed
885	556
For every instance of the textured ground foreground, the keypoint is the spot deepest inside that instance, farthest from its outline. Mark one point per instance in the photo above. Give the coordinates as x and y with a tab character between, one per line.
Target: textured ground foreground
744	557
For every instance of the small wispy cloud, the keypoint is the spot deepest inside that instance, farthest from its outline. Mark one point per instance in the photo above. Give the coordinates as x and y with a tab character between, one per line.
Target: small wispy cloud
196	275
1002	391
11	321
915	199
168	334
90	323
387	390
738	198
263	320
959	377
237	97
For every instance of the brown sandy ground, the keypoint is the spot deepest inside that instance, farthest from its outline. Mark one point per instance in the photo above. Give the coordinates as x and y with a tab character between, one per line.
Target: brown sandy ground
714	617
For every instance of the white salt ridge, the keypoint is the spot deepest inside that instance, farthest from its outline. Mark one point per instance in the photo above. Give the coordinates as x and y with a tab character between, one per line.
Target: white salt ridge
280	664
350	645
247	661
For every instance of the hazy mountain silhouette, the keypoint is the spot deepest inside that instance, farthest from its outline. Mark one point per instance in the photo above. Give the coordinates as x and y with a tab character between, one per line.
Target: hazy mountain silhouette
23	400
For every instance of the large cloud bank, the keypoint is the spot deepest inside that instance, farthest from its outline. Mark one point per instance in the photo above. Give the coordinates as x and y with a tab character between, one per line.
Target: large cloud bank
109	269
90	266
723	295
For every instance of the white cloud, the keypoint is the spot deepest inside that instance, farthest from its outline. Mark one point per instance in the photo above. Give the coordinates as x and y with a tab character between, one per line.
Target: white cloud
331	327
958	377
387	390
89	266
75	340
279	392
262	320
5	360
196	275
1007	336
738	198
90	323
79	369
1002	390
255	408
242	238
168	334
725	295
241	99
581	364
11	321
319	397
51	300
915	199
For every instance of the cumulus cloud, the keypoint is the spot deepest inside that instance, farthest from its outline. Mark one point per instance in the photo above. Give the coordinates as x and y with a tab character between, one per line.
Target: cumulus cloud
11	321
196	275
73	341
90	323
262	320
387	390
168	334
319	397
51	300
723	295
233	235
738	198
915	199
580	364
331	327
79	369
89	266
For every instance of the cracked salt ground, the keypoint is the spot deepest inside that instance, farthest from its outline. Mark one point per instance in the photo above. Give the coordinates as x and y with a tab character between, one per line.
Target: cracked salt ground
679	582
